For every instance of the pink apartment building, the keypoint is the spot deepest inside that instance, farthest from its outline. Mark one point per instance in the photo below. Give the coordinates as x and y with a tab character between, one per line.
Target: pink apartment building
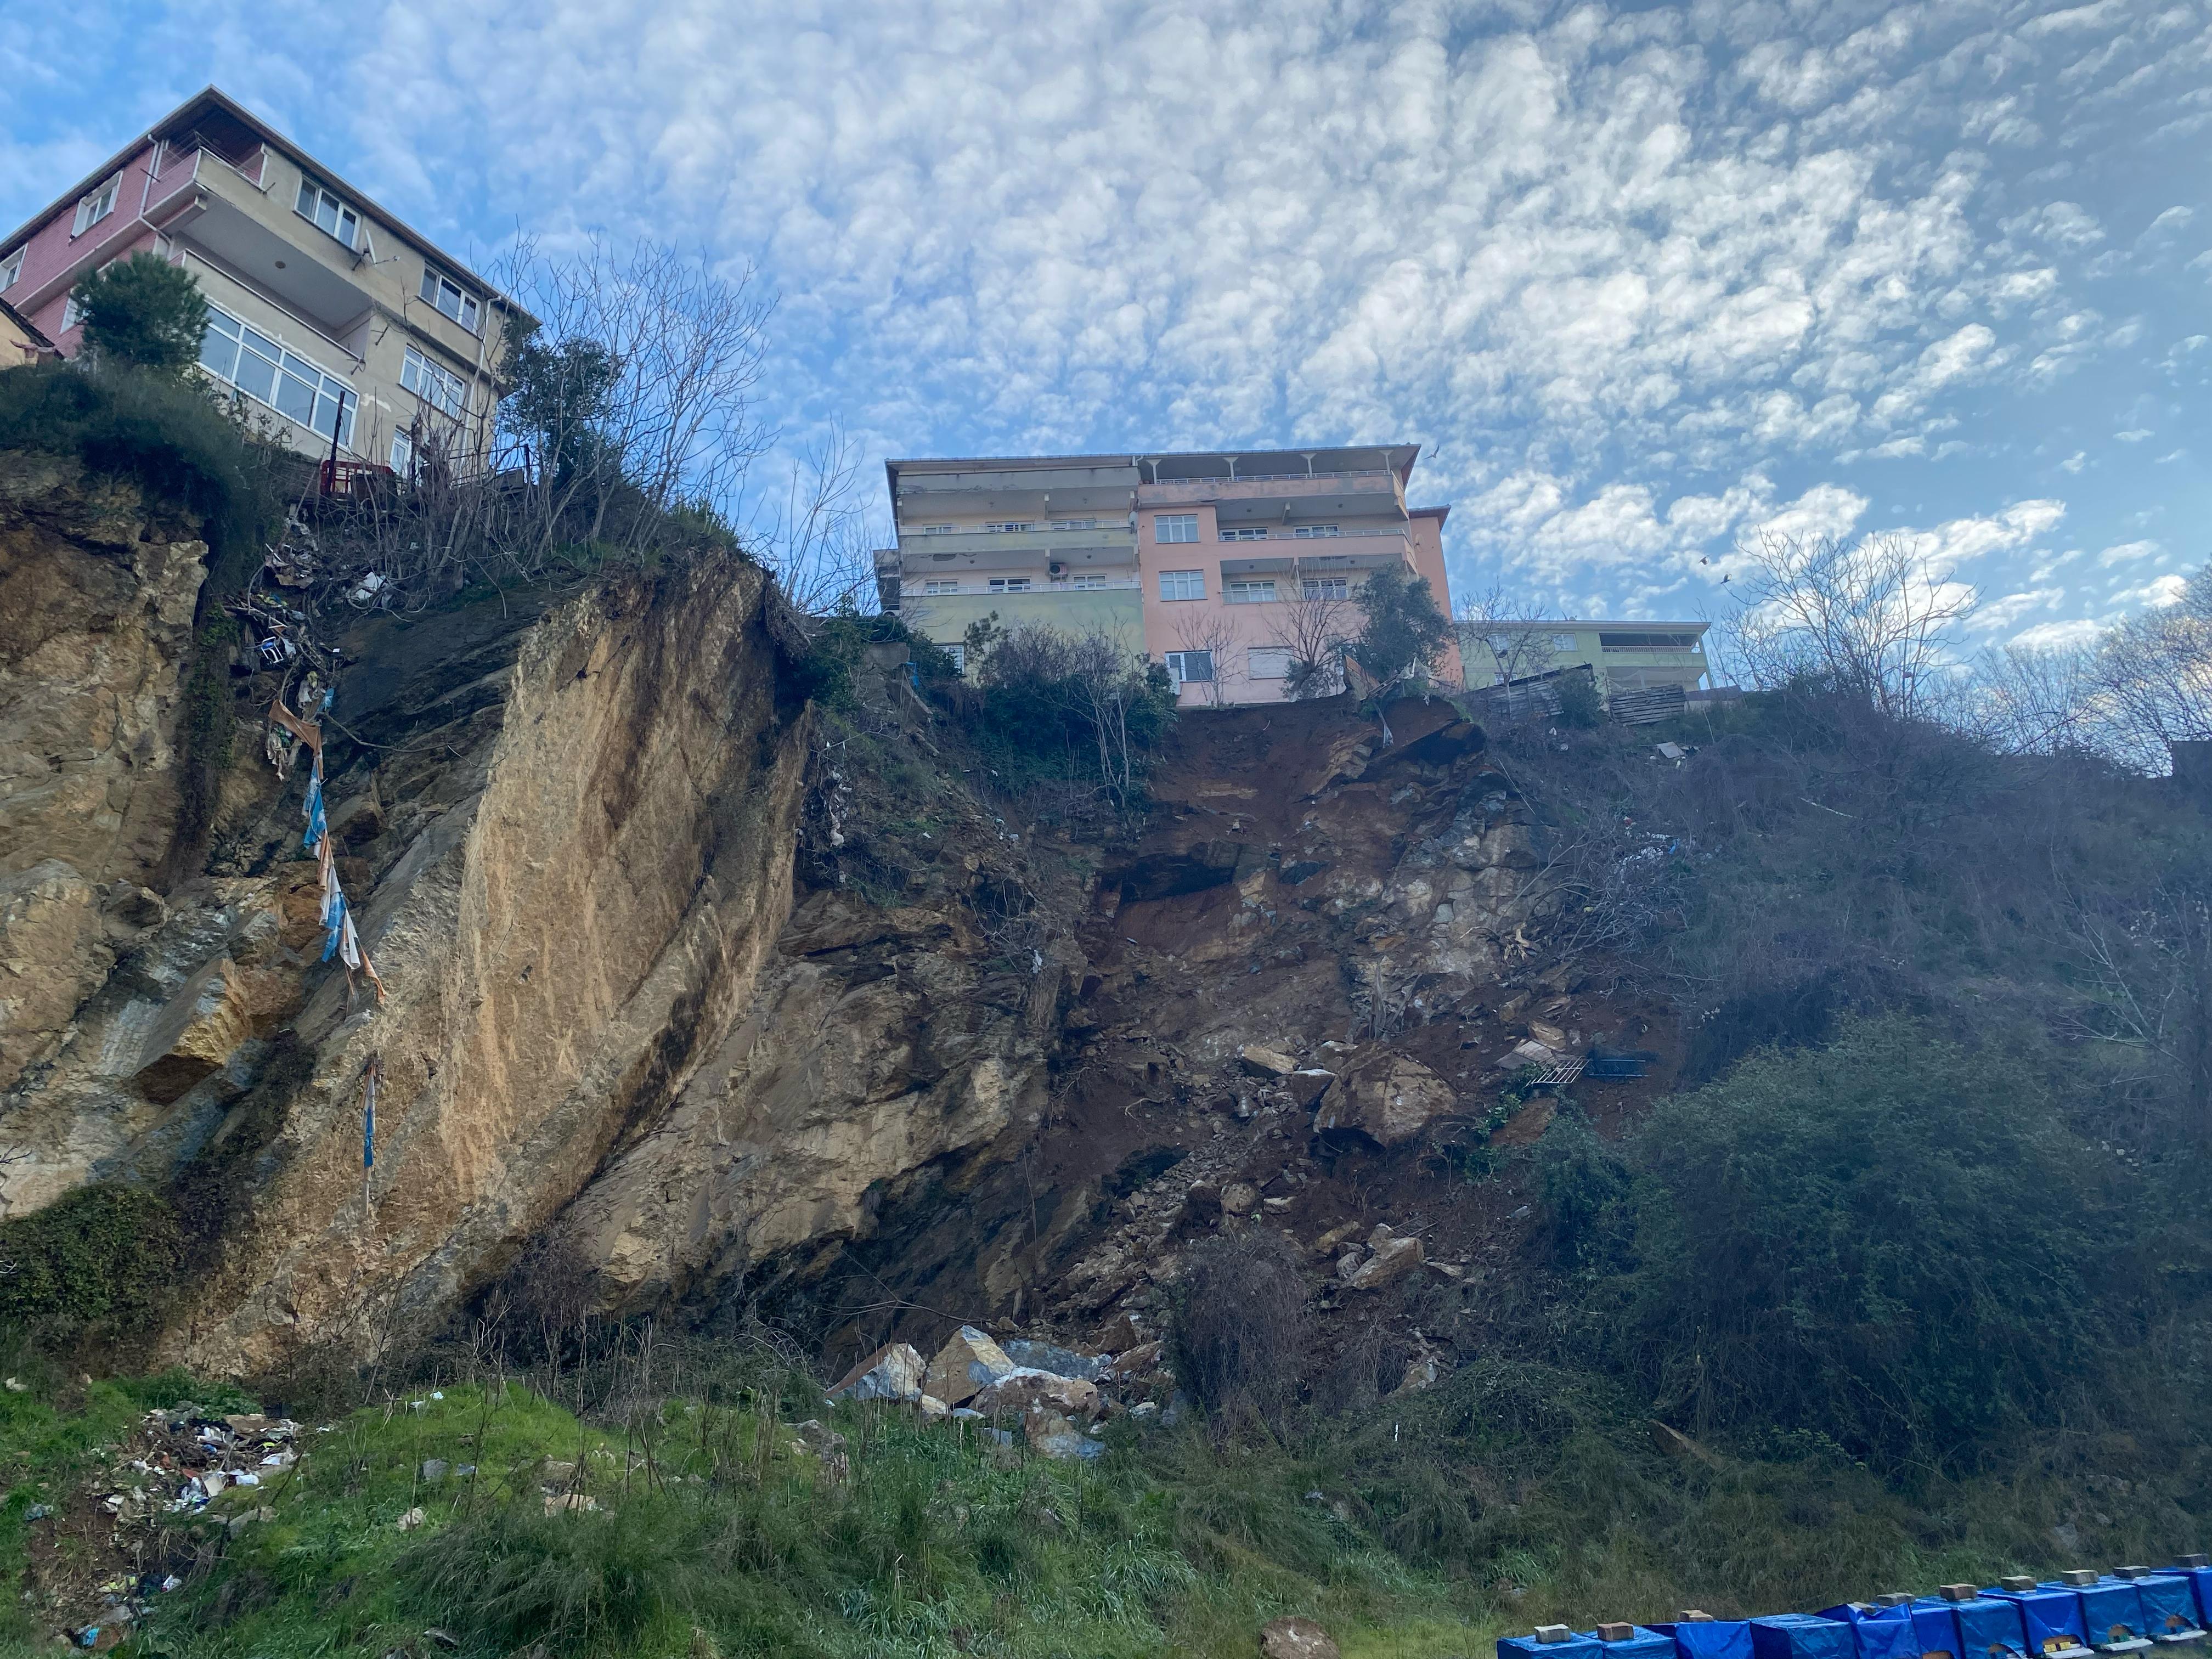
331	320
1201	561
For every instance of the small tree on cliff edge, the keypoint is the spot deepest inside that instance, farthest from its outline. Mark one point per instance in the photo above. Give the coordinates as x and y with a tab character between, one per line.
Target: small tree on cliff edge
142	310
1406	635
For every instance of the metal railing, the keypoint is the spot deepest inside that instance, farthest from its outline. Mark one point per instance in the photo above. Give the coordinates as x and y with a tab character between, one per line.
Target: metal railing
939	588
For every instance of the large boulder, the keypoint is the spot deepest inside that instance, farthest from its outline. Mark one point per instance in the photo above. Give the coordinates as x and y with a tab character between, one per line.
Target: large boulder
1393	1259
1031	1355
1390	1099
1296	1639
1032	1393
969	1362
1266	1062
1308	1085
892	1372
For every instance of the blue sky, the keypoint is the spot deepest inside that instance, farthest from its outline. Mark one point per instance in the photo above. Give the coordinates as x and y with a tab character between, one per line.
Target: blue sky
1649	279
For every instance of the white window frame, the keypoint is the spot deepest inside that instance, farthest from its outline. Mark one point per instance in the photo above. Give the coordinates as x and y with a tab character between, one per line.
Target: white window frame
70	318
1074	523
1172	583
1012	527
1314	532
11	270
1245	533
1170	528
314	196
403	454
1248	590
959	655
96	205
1180	664
281	361
1268	662
1564	642
939	530
1326	587
1008	585
940	585
438	387
1088	578
464	309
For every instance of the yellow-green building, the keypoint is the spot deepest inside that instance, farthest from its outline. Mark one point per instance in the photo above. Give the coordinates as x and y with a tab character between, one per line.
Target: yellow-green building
1625	656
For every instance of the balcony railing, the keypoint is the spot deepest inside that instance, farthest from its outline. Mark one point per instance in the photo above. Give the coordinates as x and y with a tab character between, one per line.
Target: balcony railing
1270	485
941	589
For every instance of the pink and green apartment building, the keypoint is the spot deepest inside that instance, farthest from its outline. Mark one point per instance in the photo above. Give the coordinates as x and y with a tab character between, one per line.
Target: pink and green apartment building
1220	564
339	326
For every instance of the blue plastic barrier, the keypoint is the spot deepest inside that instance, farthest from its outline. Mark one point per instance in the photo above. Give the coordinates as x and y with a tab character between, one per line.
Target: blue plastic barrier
1708	1638
2113	1611
1801	1636
2200	1585
1983	1627
1640	1642
1528	1647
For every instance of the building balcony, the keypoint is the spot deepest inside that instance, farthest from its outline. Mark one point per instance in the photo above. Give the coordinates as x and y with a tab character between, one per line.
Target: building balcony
1320	556
1076	490
1117	540
917	589
1319	494
237	221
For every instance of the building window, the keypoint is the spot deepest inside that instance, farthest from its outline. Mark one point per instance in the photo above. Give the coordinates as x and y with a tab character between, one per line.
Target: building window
1258	534
1248	592
245	358
959	655
11	270
1076	524
1191	667
1326	587
1647	641
1010	584
70	316
435	386
1563	642
1183	584
1176	527
1306	532
328	213
97	206
1013	527
1096	580
403	454
939	529
940	587
1269	662
450	297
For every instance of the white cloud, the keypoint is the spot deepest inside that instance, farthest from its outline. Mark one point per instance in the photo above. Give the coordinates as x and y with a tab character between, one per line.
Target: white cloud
2128	553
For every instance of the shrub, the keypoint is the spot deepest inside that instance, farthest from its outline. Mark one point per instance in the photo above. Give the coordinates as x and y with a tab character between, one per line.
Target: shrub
1404	632
99	1262
1583	1185
1580	706
166	435
1241	1325
1891	1240
142	311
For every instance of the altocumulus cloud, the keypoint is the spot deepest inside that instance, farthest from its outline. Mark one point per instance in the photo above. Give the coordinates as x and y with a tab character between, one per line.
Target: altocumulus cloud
1649	281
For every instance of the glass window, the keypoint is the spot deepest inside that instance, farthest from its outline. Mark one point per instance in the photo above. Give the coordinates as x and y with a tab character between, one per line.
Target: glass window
1256	533
328	213
286	382
1183	584
403	454
1249	592
1075	524
1327	587
450	297
1176	527
11	270
97	206
1190	667
441	389
1010	584
1270	662
1095	580
959	655
940	587
1306	532
296	397
219	347
1563	642
1011	526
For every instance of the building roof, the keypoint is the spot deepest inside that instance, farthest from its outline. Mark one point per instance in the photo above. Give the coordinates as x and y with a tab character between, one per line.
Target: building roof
24	323
213	100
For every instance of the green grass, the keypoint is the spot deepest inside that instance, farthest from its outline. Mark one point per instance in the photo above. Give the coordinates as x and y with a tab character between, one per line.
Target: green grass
1498	1502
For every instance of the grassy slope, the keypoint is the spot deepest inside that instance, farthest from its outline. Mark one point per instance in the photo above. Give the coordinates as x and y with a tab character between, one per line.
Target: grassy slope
710	1519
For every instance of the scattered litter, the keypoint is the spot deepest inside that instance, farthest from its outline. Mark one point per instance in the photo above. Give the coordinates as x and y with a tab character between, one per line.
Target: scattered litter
411	1520
16	1385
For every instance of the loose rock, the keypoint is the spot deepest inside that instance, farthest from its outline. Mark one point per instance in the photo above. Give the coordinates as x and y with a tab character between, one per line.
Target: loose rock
892	1372
963	1365
1296	1638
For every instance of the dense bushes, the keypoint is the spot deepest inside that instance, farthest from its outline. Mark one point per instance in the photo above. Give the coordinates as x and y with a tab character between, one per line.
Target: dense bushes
1069	708
164	433
99	1262
1241	1325
1892	1241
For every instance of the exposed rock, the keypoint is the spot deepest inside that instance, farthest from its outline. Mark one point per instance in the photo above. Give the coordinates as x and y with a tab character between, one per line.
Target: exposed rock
1051	1357
1389	1099
1240	1198
1026	1391
1550	1035
1136	1361
1307	1085
1265	1062
891	1372
1393	1258
1296	1639
964	1365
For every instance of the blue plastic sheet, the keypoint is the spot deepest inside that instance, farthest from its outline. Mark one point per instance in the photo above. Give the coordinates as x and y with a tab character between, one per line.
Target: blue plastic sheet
2169	1607
2200	1584
1528	1647
1801	1636
1710	1638
2113	1611
1990	1629
1937	1626
1879	1632
2050	1615
1641	1643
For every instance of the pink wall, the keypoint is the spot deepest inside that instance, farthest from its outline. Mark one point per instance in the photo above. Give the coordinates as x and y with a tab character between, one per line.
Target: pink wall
53	258
1247	625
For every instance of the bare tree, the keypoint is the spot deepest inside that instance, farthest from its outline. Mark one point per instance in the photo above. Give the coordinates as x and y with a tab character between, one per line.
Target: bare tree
2028	699
1201	630
1515	630
1313	627
816	533
1873	619
2152	679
